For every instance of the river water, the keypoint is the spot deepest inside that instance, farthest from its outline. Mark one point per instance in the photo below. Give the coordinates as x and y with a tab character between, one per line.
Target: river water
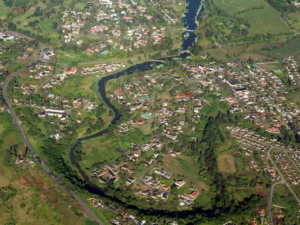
189	21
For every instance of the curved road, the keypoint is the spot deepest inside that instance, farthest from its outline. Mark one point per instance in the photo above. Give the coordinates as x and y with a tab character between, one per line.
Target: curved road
43	166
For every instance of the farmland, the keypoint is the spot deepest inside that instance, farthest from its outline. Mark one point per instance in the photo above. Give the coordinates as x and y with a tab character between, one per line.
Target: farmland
265	21
235	6
226	163
291	48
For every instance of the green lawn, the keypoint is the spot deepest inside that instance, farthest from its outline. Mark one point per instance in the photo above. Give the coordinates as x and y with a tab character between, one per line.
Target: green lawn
295	21
80	5
267	45
234	6
219	55
263	21
185	168
290	48
3	9
103	148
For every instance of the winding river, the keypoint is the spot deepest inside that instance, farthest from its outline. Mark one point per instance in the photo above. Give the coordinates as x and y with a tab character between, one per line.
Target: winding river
190	24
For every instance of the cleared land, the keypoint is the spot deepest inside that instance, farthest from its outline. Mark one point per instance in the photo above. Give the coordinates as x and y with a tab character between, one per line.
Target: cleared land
265	20
295	21
3	9
219	54
226	163
269	66
267	45
234	6
291	48
254	56
235	49
184	167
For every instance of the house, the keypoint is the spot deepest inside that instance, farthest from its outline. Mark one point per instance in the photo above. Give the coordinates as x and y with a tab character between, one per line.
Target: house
280	216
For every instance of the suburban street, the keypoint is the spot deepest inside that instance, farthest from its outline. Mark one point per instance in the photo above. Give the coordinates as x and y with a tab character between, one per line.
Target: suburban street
283	181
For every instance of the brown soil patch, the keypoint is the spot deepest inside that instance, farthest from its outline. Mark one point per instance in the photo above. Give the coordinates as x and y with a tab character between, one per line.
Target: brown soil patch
284	192
246	56
276	151
260	191
43	198
10	71
24	73
22	150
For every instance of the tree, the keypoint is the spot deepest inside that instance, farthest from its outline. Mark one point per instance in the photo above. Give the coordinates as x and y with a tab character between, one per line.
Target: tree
245	32
129	61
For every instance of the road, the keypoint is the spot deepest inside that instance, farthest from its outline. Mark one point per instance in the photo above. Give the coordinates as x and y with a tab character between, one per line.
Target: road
270	201
43	166
283	181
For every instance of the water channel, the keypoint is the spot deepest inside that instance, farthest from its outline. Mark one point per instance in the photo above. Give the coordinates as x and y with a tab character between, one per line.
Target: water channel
190	24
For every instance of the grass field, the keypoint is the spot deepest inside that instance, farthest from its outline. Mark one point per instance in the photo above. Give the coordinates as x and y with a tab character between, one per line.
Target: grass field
43	202
234	6
295	21
254	56
185	168
3	9
267	45
226	164
269	66
219	55
103	148
292	47
204	42
80	5
294	96
235	49
265	20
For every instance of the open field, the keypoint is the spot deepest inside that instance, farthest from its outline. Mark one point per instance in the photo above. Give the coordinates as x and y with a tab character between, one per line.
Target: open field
3	9
226	164
219	54
107	148
294	96
204	42
295	21
235	49
185	168
80	5
269	66
37	199
267	45
265	20
254	56
291	48
234	6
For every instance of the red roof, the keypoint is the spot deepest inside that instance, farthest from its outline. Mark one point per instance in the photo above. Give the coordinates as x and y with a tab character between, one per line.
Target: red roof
253	222
194	193
140	121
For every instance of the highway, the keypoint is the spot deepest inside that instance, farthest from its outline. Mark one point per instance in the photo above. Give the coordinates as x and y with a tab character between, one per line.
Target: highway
43	166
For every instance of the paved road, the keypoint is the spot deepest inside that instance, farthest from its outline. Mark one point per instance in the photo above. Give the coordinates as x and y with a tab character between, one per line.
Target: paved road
43	166
283	181
270	201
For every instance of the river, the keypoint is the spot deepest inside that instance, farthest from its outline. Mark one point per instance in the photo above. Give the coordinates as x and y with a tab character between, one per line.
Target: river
189	21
